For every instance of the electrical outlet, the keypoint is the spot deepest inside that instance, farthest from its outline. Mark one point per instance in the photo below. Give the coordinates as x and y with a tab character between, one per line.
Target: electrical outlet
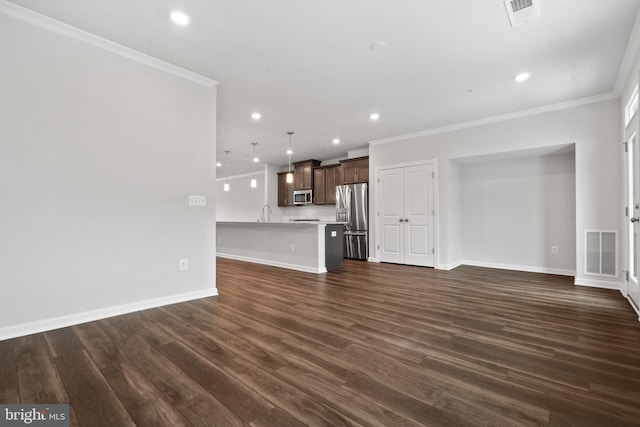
219	239
195	200
554	250
293	247
184	264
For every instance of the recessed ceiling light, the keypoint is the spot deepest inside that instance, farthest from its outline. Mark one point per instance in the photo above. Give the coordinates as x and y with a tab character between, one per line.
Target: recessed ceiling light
256	159
522	77
256	116
374	116
179	17
218	164
336	141
289	151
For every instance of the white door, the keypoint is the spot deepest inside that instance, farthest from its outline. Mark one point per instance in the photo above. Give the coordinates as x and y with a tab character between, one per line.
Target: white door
418	215
406	213
633	207
391	215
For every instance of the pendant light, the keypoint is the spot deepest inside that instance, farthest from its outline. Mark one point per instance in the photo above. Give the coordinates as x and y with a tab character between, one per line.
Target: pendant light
226	182
256	159
254	182
289	152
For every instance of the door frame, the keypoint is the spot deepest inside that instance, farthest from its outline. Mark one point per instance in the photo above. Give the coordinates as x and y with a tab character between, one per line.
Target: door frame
629	210
630	130
436	208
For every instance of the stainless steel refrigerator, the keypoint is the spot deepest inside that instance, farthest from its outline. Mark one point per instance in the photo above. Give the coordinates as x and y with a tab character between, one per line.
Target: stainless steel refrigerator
352	207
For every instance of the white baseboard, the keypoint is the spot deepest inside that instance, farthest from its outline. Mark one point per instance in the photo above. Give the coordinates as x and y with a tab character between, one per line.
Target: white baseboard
448	266
528	268
598	283
297	267
101	313
373	259
636	309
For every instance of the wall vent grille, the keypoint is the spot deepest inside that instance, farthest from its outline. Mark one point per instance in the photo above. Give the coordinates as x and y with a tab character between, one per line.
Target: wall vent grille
517	5
600	252
521	11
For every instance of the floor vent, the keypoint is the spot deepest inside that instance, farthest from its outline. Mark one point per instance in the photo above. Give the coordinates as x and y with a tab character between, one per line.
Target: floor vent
521	11
600	252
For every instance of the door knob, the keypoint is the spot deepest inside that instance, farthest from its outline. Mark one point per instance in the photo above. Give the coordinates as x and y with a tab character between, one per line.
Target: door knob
634	219
406	220
401	220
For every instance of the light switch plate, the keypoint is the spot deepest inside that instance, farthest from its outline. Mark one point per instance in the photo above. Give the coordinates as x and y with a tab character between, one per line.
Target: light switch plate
196	200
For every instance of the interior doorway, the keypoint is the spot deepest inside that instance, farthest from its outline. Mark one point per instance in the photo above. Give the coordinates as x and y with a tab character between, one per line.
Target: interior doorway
518	209
632	219
406	214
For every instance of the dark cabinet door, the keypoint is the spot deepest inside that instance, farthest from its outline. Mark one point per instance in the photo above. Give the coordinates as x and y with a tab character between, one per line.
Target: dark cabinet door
319	186
363	174
303	175
308	177
331	176
298	179
339	175
285	190
355	170
324	185
349	174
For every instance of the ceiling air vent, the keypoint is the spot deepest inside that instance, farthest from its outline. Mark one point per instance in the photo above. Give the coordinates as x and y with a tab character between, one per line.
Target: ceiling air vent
521	11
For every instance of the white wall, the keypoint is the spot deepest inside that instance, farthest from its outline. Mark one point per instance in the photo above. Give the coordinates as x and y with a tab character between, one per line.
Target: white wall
454	199
323	212
593	127
98	154
241	202
515	210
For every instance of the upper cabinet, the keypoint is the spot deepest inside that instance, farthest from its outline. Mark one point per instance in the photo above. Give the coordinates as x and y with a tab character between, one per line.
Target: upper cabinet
324	184
285	190
355	170
309	175
319	186
303	175
330	184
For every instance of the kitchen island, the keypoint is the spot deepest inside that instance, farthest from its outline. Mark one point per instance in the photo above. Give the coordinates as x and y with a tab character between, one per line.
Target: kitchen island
310	246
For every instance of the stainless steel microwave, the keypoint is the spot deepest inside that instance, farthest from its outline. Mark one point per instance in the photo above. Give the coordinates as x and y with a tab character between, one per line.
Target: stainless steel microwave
302	197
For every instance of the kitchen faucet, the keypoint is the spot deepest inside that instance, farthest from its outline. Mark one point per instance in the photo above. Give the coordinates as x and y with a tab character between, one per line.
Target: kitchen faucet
263	217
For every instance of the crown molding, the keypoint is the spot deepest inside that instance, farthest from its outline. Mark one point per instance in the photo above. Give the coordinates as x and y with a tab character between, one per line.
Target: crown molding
500	118
242	175
31	17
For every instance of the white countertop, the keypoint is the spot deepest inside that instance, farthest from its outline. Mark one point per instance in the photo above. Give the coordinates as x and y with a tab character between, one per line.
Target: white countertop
280	222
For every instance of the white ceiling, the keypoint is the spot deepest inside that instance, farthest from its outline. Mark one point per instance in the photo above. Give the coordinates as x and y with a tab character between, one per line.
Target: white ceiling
307	66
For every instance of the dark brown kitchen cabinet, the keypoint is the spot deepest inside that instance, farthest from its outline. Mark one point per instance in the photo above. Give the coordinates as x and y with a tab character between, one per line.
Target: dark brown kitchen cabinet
319	185
330	184
303	175
285	190
339	176
355	170
324	185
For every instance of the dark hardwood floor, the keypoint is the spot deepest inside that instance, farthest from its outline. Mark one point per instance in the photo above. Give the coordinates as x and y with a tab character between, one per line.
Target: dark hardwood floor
369	344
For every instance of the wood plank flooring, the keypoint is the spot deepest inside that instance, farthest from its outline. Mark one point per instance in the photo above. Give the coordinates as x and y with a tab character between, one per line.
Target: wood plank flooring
366	345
